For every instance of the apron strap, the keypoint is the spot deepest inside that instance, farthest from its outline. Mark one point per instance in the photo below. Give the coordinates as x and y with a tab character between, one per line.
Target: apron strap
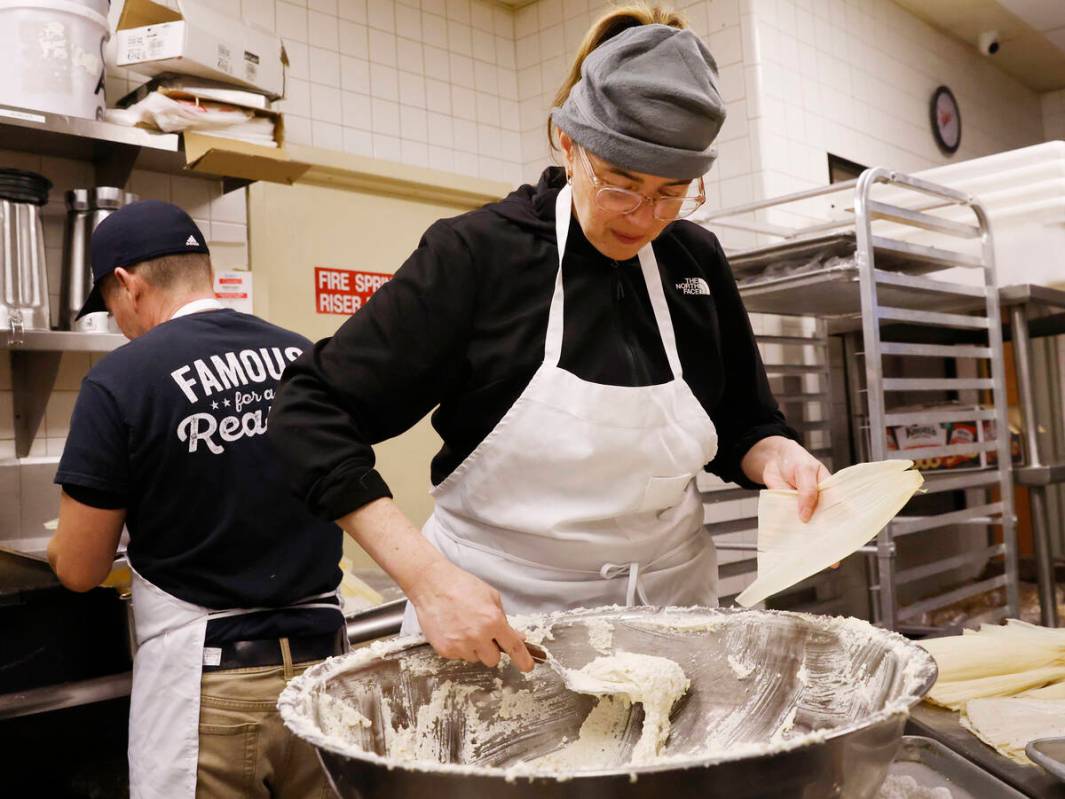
555	316
611	570
651	276
307	602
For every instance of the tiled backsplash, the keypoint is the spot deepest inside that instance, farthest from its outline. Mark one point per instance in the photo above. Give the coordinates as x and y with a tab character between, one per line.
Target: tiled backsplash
52	434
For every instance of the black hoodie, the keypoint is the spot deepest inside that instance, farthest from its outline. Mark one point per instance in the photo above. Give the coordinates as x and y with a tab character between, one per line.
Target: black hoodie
461	328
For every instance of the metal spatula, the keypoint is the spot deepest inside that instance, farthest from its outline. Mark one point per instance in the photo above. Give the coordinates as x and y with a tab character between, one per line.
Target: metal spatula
574	680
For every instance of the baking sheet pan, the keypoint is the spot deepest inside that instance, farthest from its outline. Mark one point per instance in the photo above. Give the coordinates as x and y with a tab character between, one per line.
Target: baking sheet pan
933	765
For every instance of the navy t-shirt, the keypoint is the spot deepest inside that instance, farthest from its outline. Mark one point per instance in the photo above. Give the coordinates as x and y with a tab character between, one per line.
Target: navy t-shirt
171	427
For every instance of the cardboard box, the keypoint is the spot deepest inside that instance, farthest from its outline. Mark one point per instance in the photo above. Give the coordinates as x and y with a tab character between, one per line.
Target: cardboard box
914	437
233	158
197	40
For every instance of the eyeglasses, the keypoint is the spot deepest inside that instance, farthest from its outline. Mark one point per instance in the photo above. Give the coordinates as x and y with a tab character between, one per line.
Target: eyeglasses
622	201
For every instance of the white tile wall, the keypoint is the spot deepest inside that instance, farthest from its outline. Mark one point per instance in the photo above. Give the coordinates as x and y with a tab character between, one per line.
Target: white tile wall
401	58
377	68
801	78
855	77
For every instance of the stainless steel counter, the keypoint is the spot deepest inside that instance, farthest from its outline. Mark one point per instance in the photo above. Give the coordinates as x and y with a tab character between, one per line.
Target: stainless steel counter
942	725
19	575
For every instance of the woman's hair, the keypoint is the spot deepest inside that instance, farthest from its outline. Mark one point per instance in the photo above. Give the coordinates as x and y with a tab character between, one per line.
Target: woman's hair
609	25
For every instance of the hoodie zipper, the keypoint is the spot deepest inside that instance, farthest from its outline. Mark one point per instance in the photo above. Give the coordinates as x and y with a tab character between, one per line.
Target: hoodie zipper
636	373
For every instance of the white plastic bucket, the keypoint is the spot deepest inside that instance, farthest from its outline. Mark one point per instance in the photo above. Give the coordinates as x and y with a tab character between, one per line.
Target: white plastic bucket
51	55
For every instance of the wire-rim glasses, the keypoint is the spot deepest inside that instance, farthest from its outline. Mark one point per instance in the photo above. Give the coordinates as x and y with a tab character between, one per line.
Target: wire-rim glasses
623	201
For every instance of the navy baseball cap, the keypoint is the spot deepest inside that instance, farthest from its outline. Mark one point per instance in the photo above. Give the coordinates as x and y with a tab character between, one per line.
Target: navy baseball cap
138	232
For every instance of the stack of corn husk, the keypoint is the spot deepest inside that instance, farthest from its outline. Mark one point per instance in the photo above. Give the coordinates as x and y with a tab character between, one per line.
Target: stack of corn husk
1007	681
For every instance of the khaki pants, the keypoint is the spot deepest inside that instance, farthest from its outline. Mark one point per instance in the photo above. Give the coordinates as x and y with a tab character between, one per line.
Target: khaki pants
245	750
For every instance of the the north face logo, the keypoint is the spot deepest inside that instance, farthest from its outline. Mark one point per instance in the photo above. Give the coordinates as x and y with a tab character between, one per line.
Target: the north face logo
191	242
693	285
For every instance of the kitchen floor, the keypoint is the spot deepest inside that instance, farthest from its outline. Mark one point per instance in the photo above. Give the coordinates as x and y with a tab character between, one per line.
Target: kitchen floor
77	753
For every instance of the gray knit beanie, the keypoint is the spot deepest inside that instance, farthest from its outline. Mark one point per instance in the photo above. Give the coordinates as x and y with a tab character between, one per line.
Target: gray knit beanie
647	101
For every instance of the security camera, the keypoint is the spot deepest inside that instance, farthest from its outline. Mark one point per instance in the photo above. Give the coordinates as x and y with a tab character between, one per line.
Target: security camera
989	43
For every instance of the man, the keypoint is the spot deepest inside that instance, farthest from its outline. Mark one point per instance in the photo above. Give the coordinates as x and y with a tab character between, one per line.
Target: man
235	585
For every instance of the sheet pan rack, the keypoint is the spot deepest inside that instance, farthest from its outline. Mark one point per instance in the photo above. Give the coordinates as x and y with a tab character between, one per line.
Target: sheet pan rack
869	257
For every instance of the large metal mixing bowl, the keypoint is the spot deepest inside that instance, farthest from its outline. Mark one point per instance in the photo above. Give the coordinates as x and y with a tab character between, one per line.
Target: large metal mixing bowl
781	706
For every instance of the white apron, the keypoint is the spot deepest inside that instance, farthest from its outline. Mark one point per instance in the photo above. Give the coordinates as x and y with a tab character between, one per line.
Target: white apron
164	714
584	494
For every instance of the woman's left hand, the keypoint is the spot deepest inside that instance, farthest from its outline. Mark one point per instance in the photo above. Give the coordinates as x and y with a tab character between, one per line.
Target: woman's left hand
779	462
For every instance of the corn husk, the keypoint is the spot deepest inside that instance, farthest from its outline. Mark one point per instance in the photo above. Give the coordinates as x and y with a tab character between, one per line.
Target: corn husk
854	505
1009	724
955	695
1055	690
993	650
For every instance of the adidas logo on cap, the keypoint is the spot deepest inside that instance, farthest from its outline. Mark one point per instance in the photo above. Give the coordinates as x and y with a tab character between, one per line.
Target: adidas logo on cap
191	242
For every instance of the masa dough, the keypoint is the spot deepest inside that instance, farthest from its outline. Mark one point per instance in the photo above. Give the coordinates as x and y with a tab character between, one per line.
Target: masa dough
854	505
601	635
654	682
1009	724
599	741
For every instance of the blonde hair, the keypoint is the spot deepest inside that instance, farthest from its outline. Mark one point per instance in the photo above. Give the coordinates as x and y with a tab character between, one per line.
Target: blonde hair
609	25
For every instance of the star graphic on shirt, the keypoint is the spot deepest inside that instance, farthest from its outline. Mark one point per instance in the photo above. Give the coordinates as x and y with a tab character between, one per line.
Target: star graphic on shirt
225	402
214	406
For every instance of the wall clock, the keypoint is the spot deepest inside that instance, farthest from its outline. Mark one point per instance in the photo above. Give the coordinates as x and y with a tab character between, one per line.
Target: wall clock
946	120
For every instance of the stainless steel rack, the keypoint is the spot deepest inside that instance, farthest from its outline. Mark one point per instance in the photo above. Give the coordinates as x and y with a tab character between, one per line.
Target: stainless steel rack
1037	475
877	288
35	357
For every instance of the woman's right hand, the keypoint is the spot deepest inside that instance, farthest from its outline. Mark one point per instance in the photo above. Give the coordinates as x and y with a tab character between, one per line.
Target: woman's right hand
462	617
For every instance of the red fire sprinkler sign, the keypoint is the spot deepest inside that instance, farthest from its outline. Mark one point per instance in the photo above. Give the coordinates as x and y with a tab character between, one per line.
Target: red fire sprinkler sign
344	291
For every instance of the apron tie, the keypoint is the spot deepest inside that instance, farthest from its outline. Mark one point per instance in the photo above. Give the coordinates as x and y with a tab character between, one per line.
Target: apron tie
611	570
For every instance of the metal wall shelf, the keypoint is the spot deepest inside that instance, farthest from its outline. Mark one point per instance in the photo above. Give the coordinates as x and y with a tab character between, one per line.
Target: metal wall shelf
113	150
864	284
60	341
35	357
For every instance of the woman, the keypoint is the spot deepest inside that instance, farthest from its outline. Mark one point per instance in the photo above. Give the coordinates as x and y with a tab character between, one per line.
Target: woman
583	377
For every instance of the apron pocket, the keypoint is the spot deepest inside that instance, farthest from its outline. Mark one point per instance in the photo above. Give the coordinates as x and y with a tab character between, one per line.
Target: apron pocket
663	492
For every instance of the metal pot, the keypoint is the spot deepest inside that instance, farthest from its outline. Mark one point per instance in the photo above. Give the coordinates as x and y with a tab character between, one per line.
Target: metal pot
847	686
86	208
23	271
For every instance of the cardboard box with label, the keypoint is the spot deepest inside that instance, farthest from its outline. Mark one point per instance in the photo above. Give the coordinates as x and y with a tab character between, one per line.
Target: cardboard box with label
198	40
915	437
